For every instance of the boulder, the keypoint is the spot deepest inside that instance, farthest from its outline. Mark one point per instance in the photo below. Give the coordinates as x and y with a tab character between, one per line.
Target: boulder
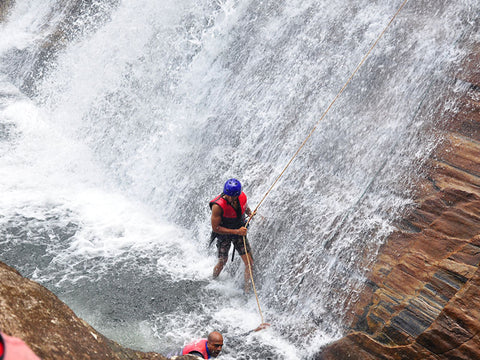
49	327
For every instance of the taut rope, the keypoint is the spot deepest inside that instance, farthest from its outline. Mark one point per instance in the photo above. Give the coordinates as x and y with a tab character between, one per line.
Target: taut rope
251	278
263	325
330	106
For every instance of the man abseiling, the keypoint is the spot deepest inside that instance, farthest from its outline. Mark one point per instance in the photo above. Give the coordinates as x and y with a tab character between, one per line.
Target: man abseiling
228	226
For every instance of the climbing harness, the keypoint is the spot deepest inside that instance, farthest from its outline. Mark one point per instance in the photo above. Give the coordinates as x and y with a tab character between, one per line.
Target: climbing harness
264	325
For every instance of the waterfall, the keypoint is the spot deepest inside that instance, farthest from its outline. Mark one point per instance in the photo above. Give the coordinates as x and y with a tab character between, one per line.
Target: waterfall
120	120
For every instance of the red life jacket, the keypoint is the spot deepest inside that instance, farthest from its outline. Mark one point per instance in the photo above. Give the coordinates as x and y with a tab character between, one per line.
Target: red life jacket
230	218
2	350
198	346
15	348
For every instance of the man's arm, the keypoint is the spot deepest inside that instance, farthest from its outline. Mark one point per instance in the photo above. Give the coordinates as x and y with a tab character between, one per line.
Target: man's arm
217	219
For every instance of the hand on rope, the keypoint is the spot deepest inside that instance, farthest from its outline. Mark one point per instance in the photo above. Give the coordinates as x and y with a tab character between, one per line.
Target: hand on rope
250	217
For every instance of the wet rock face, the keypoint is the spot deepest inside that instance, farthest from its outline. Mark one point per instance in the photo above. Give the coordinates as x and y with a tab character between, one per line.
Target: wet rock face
28	66
34	314
4	7
422	299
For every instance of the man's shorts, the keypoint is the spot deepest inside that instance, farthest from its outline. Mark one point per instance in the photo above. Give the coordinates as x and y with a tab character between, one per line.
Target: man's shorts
224	242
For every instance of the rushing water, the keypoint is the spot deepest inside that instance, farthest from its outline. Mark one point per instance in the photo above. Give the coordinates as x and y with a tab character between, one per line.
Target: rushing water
120	120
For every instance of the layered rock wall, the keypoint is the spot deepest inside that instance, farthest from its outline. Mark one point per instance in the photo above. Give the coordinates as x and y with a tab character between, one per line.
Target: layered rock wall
422	300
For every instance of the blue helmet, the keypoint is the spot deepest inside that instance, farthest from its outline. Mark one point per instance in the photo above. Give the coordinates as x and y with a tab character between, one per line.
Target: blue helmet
232	187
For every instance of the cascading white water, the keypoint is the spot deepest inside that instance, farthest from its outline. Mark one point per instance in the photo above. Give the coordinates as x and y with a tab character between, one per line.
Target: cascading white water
120	120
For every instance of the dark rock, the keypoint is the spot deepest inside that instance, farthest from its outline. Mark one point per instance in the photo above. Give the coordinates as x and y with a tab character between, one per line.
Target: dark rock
49	327
5	6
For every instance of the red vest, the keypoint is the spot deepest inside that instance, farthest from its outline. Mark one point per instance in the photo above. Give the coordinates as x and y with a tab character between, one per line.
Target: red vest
199	346
14	349
230	218
1	348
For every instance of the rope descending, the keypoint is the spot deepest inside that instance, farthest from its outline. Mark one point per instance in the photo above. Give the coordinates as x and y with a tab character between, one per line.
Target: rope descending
331	104
264	325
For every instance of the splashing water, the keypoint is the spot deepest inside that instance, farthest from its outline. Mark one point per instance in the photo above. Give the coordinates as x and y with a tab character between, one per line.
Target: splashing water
120	120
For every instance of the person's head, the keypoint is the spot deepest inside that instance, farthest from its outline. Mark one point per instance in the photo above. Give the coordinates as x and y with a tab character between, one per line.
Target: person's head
214	343
232	188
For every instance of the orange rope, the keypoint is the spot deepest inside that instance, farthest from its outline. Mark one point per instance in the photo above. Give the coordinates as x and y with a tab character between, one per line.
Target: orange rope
251	277
308	137
331	104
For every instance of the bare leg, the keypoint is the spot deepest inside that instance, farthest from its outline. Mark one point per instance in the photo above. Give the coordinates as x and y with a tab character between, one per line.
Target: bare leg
247	270
219	267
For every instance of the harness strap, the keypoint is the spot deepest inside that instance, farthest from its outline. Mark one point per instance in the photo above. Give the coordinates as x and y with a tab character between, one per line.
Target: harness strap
213	236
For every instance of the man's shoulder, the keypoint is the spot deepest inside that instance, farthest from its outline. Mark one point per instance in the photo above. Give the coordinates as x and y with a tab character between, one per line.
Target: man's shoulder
219	201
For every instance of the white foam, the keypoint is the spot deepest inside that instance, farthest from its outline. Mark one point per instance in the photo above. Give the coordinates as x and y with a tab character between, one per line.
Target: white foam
137	123
45	170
